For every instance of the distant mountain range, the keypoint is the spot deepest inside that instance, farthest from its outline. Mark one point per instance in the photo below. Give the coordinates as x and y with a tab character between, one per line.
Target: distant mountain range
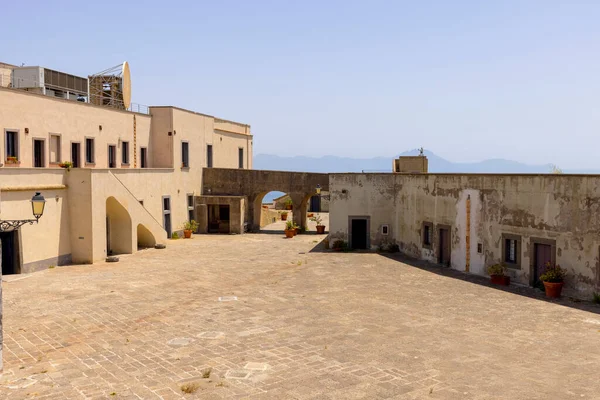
384	164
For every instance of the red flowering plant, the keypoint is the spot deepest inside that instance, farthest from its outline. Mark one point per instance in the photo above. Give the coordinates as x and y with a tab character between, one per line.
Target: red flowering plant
553	274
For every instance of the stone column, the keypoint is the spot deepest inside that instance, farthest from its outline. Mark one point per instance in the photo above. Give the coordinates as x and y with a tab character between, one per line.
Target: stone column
202	216
300	205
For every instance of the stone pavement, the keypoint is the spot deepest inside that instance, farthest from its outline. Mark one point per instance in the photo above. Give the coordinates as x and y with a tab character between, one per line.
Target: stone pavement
262	317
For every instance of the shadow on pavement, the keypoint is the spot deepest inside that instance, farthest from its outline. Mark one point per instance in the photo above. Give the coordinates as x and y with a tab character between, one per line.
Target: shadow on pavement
525	291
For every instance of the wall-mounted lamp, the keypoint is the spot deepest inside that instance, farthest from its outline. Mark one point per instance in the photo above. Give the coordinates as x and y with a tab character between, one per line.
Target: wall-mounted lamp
37	207
100	127
323	196
26	131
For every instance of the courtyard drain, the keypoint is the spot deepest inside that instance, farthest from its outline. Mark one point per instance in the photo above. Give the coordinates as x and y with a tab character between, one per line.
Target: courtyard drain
228	298
237	374
181	341
210	335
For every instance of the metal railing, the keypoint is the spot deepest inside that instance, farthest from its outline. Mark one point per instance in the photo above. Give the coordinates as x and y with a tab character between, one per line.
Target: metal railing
139	108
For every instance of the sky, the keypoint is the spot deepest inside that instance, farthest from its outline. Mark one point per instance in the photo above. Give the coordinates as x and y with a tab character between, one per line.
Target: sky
468	80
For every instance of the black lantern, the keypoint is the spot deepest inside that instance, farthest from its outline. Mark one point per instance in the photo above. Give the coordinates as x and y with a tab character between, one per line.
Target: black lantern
37	207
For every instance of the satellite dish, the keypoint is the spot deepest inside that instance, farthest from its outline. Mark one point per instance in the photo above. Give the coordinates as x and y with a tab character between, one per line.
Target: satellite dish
126	85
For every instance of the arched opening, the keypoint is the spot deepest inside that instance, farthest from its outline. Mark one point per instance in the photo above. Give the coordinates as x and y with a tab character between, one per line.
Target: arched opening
272	210
316	209
145	238
119	237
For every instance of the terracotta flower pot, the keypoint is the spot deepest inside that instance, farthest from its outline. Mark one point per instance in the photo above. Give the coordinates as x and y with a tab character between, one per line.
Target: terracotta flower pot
553	289
320	229
296	231
284	217
289	233
187	233
500	280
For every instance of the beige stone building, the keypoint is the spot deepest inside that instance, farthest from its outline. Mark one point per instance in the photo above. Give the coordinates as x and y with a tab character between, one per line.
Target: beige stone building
472	221
133	181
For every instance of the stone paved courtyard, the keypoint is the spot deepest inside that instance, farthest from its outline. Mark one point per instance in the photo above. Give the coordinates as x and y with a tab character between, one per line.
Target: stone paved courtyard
271	319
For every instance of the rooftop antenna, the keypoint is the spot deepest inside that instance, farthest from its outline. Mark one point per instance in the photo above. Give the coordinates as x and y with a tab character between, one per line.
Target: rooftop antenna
421	152
111	87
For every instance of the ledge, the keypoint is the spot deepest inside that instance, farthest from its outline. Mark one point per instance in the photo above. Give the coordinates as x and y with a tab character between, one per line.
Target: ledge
33	187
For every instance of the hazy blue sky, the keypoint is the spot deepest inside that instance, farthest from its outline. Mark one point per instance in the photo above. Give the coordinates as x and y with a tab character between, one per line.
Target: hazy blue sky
468	80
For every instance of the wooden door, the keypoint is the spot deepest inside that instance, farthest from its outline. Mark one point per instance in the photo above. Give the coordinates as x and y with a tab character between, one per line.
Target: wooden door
543	255
444	246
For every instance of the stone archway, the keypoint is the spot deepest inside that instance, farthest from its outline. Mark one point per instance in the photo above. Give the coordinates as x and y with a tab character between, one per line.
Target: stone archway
119	235
145	238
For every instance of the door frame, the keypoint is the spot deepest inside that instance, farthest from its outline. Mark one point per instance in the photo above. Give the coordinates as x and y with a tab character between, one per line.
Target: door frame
358	217
448	228
532	261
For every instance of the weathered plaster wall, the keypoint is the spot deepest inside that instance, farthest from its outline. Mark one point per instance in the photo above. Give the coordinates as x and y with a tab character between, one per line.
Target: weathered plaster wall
563	208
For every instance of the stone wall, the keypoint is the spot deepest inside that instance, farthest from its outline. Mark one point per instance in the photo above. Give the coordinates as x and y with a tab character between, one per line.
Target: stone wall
557	209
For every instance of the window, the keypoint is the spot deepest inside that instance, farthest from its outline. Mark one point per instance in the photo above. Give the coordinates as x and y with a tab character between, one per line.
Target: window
89	151
144	157
241	158
209	156
112	156
190	207
55	149
125	153
480	248
385	229
511	249
185	155
427	231
11	144
38	153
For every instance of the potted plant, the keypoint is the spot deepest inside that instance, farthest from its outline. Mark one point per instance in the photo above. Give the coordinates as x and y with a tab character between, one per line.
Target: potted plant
498	275
553	279
319	221
339	245
296	229
289	230
288	204
66	164
12	160
284	216
189	227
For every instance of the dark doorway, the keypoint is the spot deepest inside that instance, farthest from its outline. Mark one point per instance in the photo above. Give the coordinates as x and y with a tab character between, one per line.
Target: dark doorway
315	204
11	262
38	153
219	218
542	256
76	154
359	233
112	156
167	215
444	246
144	157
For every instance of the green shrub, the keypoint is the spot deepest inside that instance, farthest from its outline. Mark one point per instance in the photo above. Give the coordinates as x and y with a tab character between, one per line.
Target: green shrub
596	298
175	235
553	274
496	269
